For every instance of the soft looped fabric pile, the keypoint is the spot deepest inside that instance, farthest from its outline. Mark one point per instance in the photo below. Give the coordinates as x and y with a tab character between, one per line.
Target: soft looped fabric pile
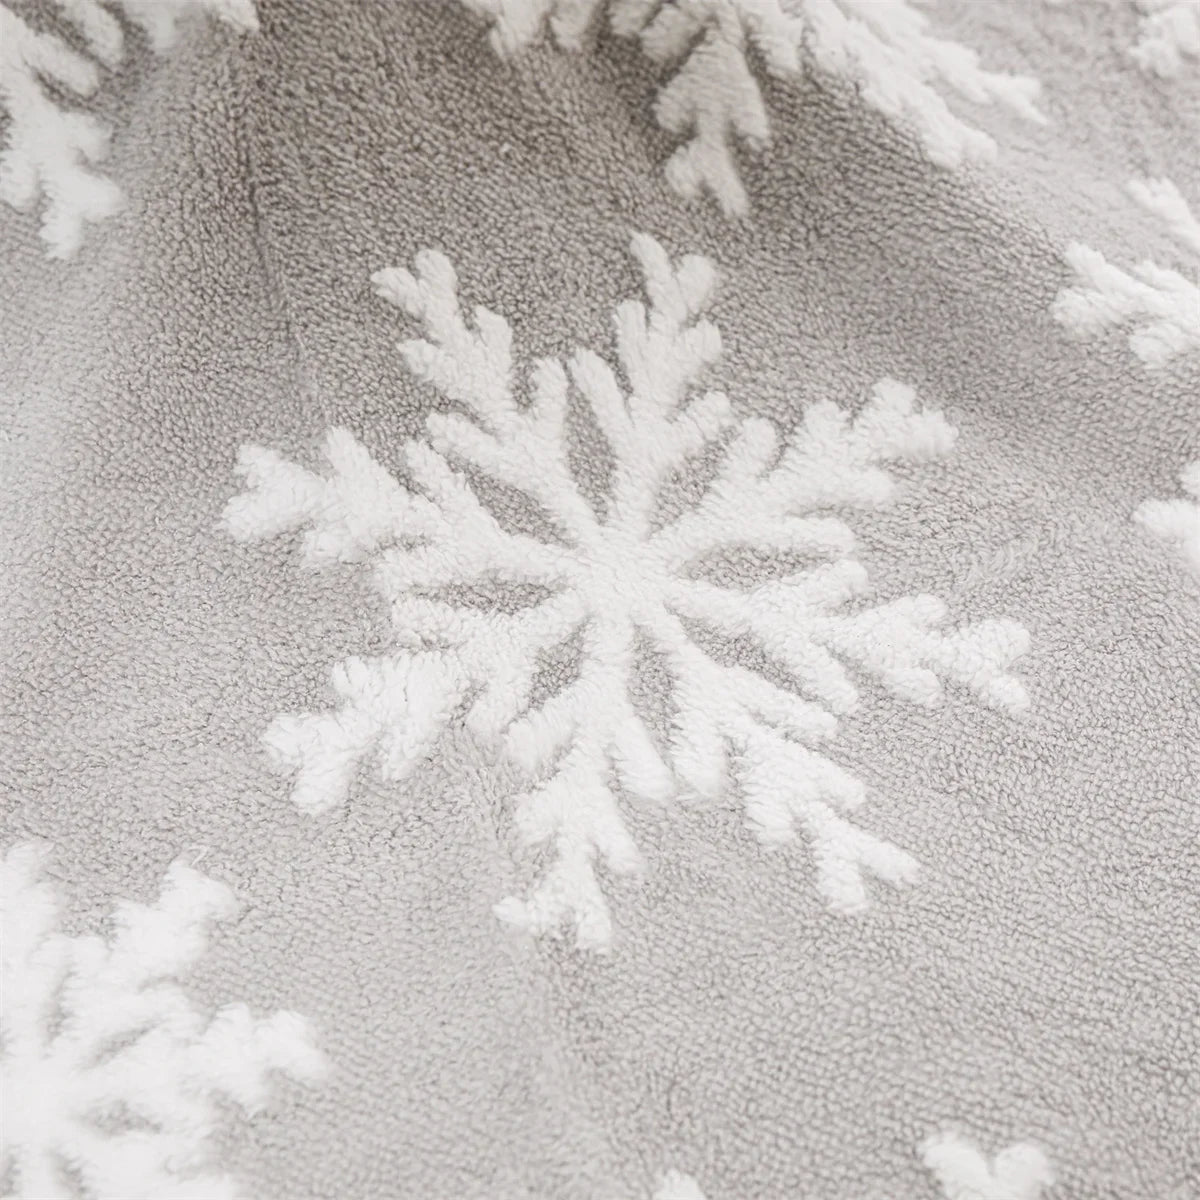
601	599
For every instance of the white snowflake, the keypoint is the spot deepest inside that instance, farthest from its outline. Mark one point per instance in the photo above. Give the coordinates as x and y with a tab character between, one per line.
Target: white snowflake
882	47
612	582
114	1080
1177	522
51	151
1021	1172
1162	304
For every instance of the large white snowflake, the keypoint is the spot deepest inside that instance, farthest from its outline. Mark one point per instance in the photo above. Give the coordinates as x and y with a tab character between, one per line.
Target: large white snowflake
757	672
1162	304
113	1080
50	151
882	47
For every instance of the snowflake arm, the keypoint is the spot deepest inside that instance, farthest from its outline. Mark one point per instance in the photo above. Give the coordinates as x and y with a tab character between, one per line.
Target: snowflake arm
575	816
833	460
522	448
798	621
786	787
395	705
351	515
1177	522
160	18
829	460
393	708
94	1027
901	645
576	741
663	352
883	47
51	151
713	98
1162	304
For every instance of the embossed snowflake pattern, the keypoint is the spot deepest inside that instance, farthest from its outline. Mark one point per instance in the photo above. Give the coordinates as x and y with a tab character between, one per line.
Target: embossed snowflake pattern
759	672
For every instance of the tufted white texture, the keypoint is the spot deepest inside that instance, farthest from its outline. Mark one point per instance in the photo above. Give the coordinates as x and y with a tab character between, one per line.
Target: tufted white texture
614	579
1019	1172
51	151
1162	304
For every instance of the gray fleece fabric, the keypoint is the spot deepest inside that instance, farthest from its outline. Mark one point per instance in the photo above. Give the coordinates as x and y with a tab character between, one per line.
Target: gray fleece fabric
719	717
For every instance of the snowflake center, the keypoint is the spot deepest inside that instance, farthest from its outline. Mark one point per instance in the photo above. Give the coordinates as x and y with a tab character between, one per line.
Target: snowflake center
620	573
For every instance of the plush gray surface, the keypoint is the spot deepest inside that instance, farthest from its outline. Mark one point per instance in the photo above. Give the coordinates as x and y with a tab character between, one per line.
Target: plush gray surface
1040	982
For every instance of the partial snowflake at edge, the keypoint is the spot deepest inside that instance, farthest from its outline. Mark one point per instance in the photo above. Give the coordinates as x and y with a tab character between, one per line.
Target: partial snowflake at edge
121	1079
610	582
1019	1172
1168	36
1168	33
1160	304
713	99
50	153
963	1172
1177	521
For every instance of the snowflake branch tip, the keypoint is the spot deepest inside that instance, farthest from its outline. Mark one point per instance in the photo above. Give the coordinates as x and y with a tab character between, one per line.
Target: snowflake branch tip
350	515
1019	1172
580	826
789	789
1161	305
676	293
392	709
1177	521
471	367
